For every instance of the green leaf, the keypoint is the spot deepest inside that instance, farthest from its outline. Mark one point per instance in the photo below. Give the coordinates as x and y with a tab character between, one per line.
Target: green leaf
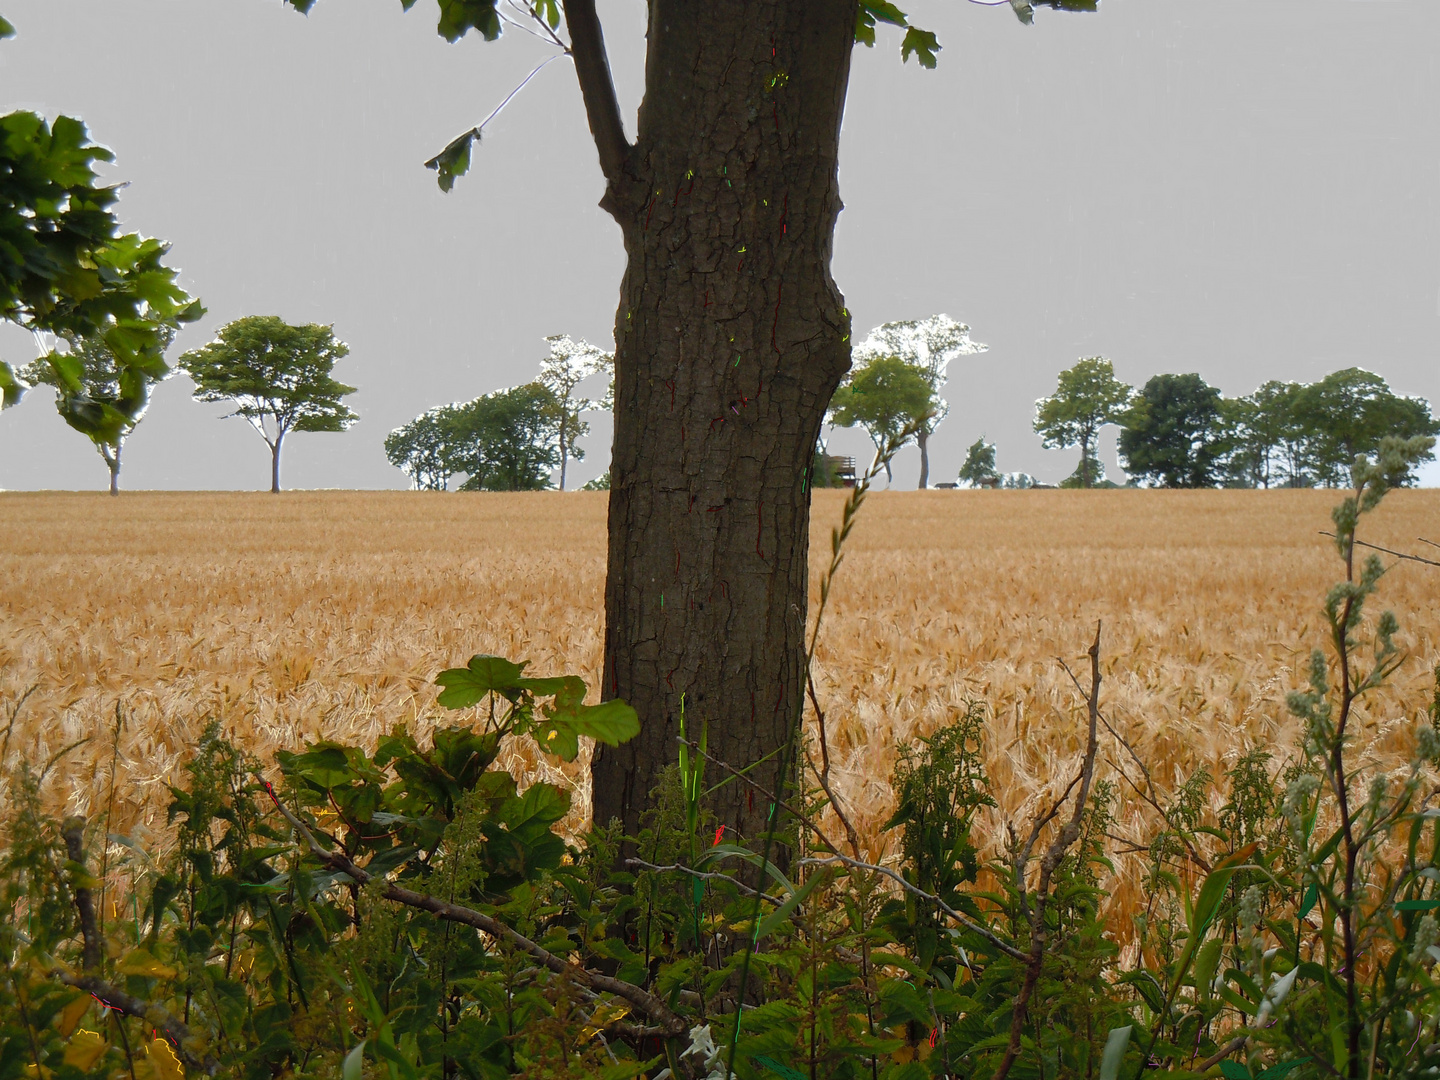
923	44
1307	901
484	674
1212	892
6	29
11	389
611	722
1114	1057
454	160
544	803
1281	1068
628	1070
1233	1070
355	1059
884	11
772	921
783	1071
1417	905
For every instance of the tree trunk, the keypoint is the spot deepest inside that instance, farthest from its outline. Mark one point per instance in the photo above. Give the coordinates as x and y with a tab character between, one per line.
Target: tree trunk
731	337
275	463
111	454
922	440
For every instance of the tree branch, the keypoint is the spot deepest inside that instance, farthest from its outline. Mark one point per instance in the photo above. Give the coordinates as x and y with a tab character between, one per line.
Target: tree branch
641	999
602	108
112	997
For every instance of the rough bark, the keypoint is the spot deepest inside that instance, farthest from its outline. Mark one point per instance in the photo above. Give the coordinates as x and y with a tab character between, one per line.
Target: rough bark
922	440
730	338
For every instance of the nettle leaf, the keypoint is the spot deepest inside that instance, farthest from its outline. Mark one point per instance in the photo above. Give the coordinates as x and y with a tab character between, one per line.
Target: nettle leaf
550	10
484	674
454	160
923	44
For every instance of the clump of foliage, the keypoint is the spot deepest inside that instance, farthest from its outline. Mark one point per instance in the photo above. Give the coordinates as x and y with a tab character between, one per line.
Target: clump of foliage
405	911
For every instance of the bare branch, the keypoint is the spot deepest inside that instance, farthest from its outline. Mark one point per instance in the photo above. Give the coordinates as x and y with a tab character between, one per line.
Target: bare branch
1387	551
602	108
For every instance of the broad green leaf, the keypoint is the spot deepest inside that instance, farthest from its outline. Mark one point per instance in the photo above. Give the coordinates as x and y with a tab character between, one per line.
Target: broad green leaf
140	962
1417	905
484	674
1114	1056
6	29
1206	964
611	722
11	389
454	160
923	44
85	1048
1307	901
541	802
1233	1070
1279	1069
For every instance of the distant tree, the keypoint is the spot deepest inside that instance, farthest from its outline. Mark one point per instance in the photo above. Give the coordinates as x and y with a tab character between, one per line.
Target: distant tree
928	345
600	483
424	448
1170	432
115	395
1089	473
506	441
277	375
979	464
1347	413
1262	441
883	395
66	269
1087	397
569	364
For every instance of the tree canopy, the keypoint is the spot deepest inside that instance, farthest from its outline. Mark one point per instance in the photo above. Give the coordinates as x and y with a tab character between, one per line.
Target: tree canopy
67	269
1087	397
1347	413
108	389
423	449
979	467
506	441
278	376
1169	433
928	345
884	395
569	364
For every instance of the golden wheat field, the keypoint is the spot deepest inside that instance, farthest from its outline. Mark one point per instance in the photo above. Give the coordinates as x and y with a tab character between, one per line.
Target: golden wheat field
327	614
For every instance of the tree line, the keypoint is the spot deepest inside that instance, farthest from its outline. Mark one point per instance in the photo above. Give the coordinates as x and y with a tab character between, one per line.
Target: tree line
1178	431
511	439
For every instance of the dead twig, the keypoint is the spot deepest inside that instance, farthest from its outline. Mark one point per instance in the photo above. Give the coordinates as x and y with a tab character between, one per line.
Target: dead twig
1049	862
1398	554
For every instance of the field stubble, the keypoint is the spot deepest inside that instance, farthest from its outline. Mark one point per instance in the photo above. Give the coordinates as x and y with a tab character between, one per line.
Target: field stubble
313	615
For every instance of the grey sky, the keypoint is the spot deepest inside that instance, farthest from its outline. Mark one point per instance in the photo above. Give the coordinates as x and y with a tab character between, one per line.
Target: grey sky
1243	189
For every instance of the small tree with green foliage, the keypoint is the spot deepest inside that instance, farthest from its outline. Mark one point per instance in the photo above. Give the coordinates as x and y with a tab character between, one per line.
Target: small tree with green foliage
1348	413
1087	397
506	441
884	395
569	364
114	394
1171	432
278	377
928	345
979	468
423	449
